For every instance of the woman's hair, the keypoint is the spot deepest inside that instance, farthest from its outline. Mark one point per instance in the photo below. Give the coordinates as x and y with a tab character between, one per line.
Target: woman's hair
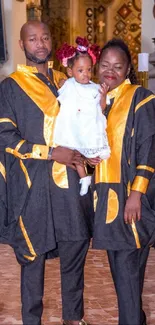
121	45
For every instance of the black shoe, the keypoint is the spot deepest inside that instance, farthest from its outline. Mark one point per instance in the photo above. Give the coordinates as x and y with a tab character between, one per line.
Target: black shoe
144	319
82	322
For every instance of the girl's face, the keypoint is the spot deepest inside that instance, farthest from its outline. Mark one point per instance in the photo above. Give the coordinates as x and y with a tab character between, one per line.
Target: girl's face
113	67
81	70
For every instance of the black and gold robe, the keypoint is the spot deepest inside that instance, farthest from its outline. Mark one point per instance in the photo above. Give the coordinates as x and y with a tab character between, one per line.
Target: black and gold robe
131	135
39	199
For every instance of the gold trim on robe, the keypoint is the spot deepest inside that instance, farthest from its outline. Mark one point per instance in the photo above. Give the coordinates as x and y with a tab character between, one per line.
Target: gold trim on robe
48	104
42	97
59	174
150	169
3	171
112	206
133	225
27	239
28	181
95	200
144	101
8	120
105	171
140	184
19	145
135	232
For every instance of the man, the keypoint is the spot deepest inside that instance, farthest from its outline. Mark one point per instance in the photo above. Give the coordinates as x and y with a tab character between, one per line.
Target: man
45	213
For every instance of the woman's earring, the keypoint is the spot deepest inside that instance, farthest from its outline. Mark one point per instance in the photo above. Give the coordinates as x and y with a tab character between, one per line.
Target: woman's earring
127	76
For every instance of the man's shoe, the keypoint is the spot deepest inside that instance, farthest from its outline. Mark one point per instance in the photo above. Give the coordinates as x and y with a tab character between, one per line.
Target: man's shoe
81	322
144	320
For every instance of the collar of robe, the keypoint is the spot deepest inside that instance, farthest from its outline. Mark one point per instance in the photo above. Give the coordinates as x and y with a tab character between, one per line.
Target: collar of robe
117	91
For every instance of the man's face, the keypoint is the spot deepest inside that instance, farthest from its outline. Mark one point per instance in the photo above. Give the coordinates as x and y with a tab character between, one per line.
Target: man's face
36	43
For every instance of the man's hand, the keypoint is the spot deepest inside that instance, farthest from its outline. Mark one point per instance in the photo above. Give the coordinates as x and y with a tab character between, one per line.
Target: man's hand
132	210
92	162
67	157
61	82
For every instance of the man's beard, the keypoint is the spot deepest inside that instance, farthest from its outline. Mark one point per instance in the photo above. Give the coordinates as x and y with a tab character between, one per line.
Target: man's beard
36	60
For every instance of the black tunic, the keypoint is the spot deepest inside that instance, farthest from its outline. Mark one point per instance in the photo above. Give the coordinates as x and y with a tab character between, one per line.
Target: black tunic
131	134
39	200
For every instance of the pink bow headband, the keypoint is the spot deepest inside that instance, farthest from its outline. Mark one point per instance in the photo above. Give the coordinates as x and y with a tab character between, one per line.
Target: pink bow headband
67	51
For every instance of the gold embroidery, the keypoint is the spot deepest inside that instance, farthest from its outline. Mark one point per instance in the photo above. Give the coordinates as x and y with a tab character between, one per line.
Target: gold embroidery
3	171
135	232
30	258
8	120
144	101
113	206
42	97
95	200
27	239
59	174
18	154
140	184
19	145
150	169
132	133
133	226
116	123
28	181
40	151
128	188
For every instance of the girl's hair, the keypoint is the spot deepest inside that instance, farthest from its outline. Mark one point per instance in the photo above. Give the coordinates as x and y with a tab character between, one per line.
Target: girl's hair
121	45
68	54
71	61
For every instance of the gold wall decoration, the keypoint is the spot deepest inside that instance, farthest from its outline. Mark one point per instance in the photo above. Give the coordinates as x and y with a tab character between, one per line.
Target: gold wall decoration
98	20
34	10
57	15
128	26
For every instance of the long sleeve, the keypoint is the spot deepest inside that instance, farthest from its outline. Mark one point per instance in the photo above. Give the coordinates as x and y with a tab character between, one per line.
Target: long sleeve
10	136
145	165
144	143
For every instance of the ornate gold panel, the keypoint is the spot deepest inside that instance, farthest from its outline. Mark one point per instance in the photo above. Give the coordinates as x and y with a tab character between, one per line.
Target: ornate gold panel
98	20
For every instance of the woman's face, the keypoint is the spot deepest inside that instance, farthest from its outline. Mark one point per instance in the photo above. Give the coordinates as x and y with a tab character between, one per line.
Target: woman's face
113	67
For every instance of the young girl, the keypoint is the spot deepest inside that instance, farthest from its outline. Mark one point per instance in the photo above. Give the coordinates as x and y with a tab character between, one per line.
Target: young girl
81	124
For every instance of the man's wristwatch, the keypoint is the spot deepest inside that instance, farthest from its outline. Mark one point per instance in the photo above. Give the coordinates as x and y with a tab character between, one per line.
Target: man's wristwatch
50	153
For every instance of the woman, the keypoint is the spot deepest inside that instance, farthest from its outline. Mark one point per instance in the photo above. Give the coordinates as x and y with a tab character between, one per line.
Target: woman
125	216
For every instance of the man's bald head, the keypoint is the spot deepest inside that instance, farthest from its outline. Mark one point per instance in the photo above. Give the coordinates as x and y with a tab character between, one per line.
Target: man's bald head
35	41
29	25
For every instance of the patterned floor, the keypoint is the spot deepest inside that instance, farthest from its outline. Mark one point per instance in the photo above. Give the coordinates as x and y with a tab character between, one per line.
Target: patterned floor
100	299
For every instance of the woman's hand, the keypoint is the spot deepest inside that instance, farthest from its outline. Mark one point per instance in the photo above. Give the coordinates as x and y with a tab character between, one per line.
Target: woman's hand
92	162
132	210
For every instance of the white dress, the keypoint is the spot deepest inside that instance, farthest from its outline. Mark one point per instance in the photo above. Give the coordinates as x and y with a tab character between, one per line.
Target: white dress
80	123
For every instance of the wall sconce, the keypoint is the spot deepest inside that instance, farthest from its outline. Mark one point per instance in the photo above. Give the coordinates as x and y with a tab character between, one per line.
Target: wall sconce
34	10
143	69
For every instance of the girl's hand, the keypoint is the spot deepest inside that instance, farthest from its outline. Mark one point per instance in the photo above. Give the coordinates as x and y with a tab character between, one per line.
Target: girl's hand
103	91
132	210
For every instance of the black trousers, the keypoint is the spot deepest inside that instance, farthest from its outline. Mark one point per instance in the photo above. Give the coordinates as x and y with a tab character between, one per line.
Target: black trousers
72	260
128	270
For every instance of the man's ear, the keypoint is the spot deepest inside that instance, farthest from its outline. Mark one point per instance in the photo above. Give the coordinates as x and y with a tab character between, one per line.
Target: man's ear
69	72
21	45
